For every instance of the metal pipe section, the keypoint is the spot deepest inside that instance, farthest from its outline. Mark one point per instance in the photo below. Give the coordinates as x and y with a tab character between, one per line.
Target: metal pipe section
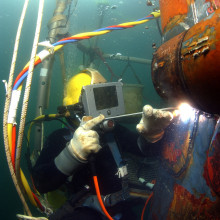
187	66
179	16
127	58
93	52
44	85
57	25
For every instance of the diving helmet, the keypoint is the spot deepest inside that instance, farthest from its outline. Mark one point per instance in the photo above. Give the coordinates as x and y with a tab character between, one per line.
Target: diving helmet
74	86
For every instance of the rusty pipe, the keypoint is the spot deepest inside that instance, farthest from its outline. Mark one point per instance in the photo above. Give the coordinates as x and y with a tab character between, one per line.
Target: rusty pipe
187	67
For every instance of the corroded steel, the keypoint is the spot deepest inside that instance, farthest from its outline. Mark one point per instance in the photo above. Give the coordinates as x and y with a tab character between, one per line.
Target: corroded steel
200	56
187	67
172	13
166	69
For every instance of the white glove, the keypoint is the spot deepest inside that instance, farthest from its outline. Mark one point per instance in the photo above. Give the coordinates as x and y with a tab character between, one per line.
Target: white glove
85	140
153	123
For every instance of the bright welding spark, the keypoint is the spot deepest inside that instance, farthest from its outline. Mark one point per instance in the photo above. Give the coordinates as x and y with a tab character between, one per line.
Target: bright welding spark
185	111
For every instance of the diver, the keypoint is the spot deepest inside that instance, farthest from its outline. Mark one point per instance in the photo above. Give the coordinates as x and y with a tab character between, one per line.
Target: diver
186	142
65	160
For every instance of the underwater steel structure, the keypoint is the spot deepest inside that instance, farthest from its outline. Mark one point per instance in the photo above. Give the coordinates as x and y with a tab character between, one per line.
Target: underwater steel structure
186	66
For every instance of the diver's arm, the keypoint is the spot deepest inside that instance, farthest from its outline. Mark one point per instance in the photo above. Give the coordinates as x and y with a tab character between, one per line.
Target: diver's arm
59	159
50	175
153	123
47	177
152	129
84	142
45	174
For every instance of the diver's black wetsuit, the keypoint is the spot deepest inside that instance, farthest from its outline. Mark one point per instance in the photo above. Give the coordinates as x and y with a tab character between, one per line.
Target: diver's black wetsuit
48	178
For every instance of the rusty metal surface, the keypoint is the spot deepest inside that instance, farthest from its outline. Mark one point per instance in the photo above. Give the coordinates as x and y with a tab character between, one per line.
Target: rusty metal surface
172	13
166	69
178	16
200	56
188	183
187	67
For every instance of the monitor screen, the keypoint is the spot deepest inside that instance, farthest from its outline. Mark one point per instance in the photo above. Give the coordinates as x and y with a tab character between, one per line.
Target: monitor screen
105	97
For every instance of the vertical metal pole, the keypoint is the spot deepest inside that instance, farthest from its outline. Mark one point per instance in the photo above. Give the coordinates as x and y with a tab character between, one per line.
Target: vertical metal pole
55	23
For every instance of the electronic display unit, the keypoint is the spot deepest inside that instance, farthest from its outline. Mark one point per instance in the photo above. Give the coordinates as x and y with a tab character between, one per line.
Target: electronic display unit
103	98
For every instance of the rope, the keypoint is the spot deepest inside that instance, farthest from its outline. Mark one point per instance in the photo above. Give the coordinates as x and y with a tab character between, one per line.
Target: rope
6	109
31	218
27	91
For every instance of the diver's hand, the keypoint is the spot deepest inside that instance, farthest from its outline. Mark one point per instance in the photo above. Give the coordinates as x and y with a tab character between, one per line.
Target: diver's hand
85	140
153	123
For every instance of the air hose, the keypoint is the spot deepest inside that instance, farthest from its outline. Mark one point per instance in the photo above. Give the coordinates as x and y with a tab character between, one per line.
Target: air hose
91	160
145	205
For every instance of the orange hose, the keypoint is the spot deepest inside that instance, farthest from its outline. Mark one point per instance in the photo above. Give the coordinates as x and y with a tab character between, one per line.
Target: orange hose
13	150
100	198
13	146
145	205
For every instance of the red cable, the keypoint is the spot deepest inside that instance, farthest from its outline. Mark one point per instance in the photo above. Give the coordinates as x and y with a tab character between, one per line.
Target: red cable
13	147
32	181
74	38
38	202
25	70
13	163
145	205
120	26
100	198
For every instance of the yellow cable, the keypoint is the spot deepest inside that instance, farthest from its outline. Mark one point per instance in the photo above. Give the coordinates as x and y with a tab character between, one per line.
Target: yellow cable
41	117
27	188
134	23
36	58
10	136
91	34
23	179
20	87
156	14
56	48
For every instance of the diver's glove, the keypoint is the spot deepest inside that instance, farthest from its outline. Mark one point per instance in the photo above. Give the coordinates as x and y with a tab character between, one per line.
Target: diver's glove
84	142
153	123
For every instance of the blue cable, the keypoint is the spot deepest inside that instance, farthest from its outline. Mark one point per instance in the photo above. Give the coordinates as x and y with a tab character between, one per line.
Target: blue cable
18	83
64	42
109	28
145	18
